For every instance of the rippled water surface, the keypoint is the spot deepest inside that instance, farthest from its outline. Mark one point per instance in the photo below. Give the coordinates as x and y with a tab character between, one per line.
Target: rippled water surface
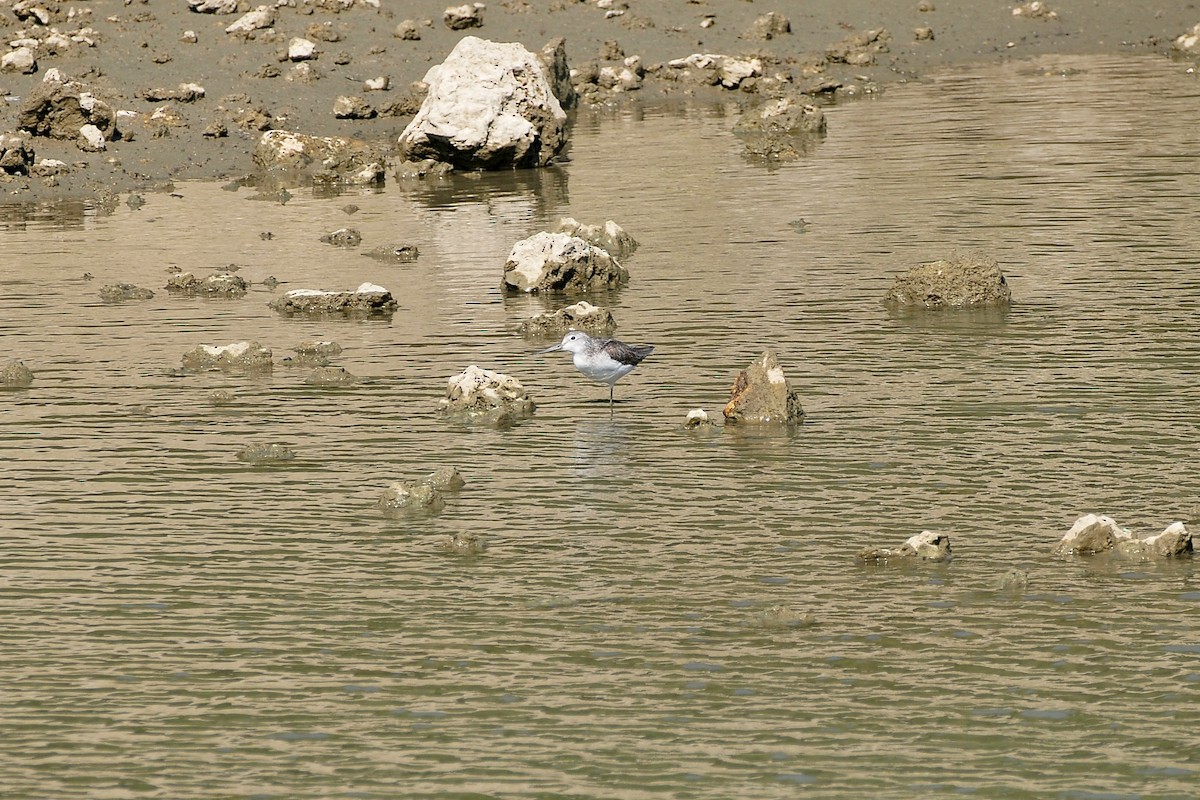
176	623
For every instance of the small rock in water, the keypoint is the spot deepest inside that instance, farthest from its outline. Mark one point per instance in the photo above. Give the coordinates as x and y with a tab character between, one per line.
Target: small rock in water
220	397
404	497
313	354
236	357
16	376
394	253
367	300
777	617
925	546
1015	581
218	284
463	544
343	237
484	395
331	378
265	454
119	292
270	282
582	316
697	418
446	479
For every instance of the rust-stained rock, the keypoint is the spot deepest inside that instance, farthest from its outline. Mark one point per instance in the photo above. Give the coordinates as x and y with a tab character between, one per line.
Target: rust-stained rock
761	394
492	397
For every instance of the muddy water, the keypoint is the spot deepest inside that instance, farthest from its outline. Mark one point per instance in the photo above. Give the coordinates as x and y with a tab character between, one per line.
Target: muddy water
176	623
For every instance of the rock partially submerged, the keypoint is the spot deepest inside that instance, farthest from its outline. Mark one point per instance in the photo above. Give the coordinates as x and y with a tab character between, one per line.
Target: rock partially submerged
218	284
343	237
120	292
696	419
925	546
489	106
331	378
582	316
236	357
266	454
285	157
761	394
16	376
481	394
961	282
312	354
446	479
782	129
426	495
783	618
610	236
394	253
556	262
367	300
1093	534
464	544
408	497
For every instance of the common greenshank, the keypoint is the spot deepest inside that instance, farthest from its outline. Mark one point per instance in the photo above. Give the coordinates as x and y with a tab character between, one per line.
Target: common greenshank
602	360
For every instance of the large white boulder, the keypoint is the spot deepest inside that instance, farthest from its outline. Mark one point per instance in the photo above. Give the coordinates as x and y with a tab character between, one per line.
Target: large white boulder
489	106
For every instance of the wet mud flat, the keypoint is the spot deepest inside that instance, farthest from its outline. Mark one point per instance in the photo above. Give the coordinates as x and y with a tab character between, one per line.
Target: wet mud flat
172	93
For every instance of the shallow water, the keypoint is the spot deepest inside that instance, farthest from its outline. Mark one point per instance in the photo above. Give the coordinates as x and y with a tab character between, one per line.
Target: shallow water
176	623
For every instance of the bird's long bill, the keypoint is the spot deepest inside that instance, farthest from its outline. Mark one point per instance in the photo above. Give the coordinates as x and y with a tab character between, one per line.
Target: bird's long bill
550	349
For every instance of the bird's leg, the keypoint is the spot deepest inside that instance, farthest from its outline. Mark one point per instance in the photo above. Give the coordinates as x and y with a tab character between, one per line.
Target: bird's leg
611	388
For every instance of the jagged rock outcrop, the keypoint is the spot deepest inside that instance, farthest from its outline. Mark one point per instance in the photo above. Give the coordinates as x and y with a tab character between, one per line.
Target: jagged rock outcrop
761	394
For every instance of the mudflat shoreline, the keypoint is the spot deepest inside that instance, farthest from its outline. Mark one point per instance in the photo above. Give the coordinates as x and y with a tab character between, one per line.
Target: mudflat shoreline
147	61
